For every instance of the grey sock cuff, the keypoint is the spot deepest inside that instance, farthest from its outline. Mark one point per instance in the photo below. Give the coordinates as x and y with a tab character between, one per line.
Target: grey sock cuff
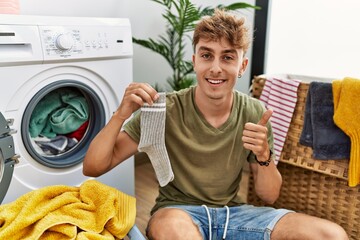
158	105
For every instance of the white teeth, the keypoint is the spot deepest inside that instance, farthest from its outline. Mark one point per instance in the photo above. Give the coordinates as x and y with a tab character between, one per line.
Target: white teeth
214	81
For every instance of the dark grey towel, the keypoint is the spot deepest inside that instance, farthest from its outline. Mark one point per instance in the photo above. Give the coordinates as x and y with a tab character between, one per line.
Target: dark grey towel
319	130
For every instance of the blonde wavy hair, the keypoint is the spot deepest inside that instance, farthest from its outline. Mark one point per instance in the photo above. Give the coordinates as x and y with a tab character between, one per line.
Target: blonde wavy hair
221	25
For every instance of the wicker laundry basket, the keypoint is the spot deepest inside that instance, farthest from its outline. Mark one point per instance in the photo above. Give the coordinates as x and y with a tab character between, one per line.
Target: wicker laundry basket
316	187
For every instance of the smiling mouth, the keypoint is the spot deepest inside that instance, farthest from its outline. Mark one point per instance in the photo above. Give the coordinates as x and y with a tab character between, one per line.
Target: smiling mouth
214	81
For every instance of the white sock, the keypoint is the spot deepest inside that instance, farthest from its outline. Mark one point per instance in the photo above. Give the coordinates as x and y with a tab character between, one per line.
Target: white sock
152	139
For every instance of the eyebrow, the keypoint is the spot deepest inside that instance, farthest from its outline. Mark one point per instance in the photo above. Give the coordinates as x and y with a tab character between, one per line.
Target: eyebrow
202	48
230	51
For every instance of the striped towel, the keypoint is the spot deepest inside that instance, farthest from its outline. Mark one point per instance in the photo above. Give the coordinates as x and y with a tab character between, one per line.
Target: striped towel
280	94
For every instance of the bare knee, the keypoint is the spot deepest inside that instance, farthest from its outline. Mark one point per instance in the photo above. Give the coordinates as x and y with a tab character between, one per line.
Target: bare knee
301	226
172	223
335	232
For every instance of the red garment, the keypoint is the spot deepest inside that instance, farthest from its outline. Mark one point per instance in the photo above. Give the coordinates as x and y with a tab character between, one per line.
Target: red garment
79	133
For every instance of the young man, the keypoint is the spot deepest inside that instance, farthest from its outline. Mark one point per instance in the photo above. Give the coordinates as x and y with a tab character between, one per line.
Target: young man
211	131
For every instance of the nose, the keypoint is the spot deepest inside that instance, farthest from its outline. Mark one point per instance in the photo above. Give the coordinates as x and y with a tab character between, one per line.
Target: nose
215	67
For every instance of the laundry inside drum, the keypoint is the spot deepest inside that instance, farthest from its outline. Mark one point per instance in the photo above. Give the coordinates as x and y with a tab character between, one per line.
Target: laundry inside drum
59	121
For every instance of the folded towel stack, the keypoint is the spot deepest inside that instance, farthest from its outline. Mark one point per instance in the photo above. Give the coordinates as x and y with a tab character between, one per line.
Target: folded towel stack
280	94
319	132
347	117
91	211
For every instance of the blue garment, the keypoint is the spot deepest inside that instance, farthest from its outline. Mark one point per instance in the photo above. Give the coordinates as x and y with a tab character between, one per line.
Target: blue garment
245	222
319	132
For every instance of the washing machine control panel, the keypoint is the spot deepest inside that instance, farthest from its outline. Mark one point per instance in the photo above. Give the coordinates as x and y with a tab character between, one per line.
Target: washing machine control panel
58	42
85	42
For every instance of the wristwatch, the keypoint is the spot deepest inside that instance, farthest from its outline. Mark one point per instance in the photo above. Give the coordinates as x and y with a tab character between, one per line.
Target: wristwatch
265	163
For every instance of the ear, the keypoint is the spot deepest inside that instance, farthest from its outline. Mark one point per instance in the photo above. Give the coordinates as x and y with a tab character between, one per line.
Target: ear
243	66
193	60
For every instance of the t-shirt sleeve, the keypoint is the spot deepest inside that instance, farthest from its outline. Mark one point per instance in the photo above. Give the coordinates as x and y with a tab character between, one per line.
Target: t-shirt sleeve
132	127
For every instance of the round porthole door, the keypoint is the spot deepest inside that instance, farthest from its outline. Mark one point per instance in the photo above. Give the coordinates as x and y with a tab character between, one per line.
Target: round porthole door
7	160
60	121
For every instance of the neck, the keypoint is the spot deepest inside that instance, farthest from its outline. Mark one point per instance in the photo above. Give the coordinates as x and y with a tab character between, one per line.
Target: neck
215	110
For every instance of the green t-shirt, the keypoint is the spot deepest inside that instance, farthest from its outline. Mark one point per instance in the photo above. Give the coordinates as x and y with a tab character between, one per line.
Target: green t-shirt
207	162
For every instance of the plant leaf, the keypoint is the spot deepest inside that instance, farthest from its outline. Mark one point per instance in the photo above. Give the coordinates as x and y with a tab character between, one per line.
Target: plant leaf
154	46
239	5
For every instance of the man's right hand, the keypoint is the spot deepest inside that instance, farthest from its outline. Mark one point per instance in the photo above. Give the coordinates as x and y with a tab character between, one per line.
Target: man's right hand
111	146
136	94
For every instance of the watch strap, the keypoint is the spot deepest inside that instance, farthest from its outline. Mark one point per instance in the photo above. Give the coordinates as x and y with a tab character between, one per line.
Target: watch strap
265	163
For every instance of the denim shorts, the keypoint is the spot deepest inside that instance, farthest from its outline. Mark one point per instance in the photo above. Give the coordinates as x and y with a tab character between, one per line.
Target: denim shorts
245	222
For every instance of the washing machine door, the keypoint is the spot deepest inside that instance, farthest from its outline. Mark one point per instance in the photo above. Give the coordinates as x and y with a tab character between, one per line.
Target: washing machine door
7	160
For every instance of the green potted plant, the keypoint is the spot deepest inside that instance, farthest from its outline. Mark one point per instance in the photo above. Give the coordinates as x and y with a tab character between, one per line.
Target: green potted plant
181	17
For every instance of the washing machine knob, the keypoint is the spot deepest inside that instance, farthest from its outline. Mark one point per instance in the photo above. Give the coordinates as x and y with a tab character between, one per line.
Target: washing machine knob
64	42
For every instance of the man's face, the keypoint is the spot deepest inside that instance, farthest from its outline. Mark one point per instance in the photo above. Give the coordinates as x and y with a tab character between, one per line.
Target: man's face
217	66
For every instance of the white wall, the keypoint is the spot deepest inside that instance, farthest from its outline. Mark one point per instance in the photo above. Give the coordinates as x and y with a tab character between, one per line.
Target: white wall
77	8
314	37
146	20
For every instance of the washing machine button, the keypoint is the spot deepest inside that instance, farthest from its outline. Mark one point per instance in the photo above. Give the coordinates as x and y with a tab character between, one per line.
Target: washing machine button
64	42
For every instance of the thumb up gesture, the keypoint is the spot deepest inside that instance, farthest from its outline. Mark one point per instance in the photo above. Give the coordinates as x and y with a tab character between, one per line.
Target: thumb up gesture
255	136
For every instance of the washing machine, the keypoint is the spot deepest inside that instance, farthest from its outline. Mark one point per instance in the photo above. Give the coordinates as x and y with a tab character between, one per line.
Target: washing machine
61	80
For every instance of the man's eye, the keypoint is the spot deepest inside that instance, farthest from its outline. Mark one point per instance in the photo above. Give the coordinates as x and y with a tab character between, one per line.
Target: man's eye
228	58
206	56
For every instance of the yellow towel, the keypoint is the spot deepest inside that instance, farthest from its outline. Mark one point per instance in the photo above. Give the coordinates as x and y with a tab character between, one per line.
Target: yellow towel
92	211
346	94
